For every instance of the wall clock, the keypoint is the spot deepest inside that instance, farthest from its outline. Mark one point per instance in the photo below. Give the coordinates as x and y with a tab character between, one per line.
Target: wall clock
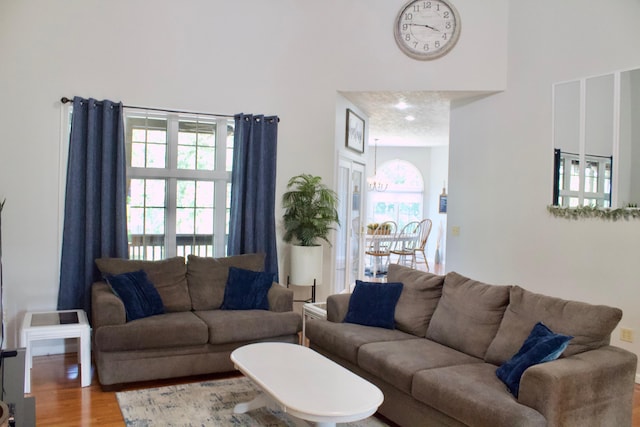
427	29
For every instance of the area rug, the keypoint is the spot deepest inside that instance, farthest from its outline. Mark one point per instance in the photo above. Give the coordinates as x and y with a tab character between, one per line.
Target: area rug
208	403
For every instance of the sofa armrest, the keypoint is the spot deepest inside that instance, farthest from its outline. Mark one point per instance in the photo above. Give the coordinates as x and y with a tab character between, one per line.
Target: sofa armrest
337	307
106	307
593	388
280	298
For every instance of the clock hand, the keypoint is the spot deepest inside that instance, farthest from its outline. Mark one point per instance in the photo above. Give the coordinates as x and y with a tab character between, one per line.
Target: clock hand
425	25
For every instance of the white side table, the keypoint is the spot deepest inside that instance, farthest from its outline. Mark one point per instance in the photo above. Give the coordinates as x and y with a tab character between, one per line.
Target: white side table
312	310
57	325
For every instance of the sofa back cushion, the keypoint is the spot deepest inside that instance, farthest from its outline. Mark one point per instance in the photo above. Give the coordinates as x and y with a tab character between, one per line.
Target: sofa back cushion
167	275
468	314
590	325
207	277
418	300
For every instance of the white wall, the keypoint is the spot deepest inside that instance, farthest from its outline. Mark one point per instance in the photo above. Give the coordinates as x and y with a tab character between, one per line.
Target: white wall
282	57
439	171
501	165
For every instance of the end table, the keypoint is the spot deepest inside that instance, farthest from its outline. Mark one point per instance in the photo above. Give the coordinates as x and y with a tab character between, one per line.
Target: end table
312	310
49	325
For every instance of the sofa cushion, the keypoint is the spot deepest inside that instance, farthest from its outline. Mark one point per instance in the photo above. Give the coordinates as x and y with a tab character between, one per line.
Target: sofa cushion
542	345
207	277
247	290
139	296
397	361
373	304
418	300
468	314
230	326
473	395
590	325
344	339
167	275
156	332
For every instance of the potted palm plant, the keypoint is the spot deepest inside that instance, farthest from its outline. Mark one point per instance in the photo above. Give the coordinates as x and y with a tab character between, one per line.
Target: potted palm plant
310	214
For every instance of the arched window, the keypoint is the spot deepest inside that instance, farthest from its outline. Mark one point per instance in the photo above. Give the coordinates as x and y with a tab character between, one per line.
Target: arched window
403	199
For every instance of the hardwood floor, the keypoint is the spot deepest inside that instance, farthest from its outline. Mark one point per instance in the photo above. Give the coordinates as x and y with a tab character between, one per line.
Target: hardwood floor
60	401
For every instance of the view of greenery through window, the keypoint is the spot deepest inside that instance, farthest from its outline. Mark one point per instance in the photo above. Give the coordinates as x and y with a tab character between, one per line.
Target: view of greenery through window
402	202
178	184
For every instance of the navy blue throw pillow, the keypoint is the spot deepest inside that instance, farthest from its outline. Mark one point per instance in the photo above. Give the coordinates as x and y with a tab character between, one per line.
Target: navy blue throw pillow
139	295
374	304
542	345
247	290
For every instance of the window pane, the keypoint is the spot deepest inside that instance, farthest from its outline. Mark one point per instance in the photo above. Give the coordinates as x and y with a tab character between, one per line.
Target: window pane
145	214
204	221
139	135
135	220
186	194
184	221
156	155
196	145
186	157
157	136
204	194
574	184
206	158
154	221
146	141
137	155
155	192
591	177
186	138
206	137
230	136
136	192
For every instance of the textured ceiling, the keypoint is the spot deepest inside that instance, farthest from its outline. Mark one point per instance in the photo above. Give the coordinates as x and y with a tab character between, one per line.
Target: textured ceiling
388	124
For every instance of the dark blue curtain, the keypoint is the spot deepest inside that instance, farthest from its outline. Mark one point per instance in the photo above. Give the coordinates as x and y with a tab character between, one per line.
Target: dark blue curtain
95	223
253	188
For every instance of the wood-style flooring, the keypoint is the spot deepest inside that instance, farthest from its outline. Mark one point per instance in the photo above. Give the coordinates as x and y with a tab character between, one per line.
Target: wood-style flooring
60	401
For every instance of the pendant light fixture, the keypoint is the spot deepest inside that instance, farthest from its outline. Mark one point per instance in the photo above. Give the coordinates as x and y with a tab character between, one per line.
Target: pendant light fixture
375	182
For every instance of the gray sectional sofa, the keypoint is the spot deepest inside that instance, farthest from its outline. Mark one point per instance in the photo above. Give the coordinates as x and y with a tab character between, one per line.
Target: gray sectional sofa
194	336
438	366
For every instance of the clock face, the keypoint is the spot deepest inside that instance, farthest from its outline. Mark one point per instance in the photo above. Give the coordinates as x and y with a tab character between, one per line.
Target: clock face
427	29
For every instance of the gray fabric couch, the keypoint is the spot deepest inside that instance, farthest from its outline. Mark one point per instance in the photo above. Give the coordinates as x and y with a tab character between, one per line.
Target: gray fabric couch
437	367
193	336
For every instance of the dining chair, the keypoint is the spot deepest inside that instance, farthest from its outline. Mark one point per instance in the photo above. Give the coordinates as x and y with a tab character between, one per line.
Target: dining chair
425	230
379	245
406	242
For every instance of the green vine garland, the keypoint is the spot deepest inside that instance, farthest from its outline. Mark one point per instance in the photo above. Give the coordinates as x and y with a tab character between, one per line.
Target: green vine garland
594	212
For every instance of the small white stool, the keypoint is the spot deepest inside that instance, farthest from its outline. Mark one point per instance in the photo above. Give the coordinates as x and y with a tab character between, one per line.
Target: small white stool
49	325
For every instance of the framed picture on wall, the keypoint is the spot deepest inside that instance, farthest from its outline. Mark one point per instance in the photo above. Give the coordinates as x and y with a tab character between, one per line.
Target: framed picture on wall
442	206
355	132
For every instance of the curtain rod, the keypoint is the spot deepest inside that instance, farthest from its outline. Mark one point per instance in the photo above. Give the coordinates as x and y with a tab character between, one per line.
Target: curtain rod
66	100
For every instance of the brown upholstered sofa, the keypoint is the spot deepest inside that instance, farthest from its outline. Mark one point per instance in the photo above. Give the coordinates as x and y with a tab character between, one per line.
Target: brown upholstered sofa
438	366
193	336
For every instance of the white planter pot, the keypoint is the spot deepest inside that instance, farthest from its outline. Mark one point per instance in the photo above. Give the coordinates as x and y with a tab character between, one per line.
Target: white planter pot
306	265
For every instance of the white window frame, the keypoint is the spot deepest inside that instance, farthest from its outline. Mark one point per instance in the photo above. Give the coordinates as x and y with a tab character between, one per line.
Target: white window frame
566	194
171	174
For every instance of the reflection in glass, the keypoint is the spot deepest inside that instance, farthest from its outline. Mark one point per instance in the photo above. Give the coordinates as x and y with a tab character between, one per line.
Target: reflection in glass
592	184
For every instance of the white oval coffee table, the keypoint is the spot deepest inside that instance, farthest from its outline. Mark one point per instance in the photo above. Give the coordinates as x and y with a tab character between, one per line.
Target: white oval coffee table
305	384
